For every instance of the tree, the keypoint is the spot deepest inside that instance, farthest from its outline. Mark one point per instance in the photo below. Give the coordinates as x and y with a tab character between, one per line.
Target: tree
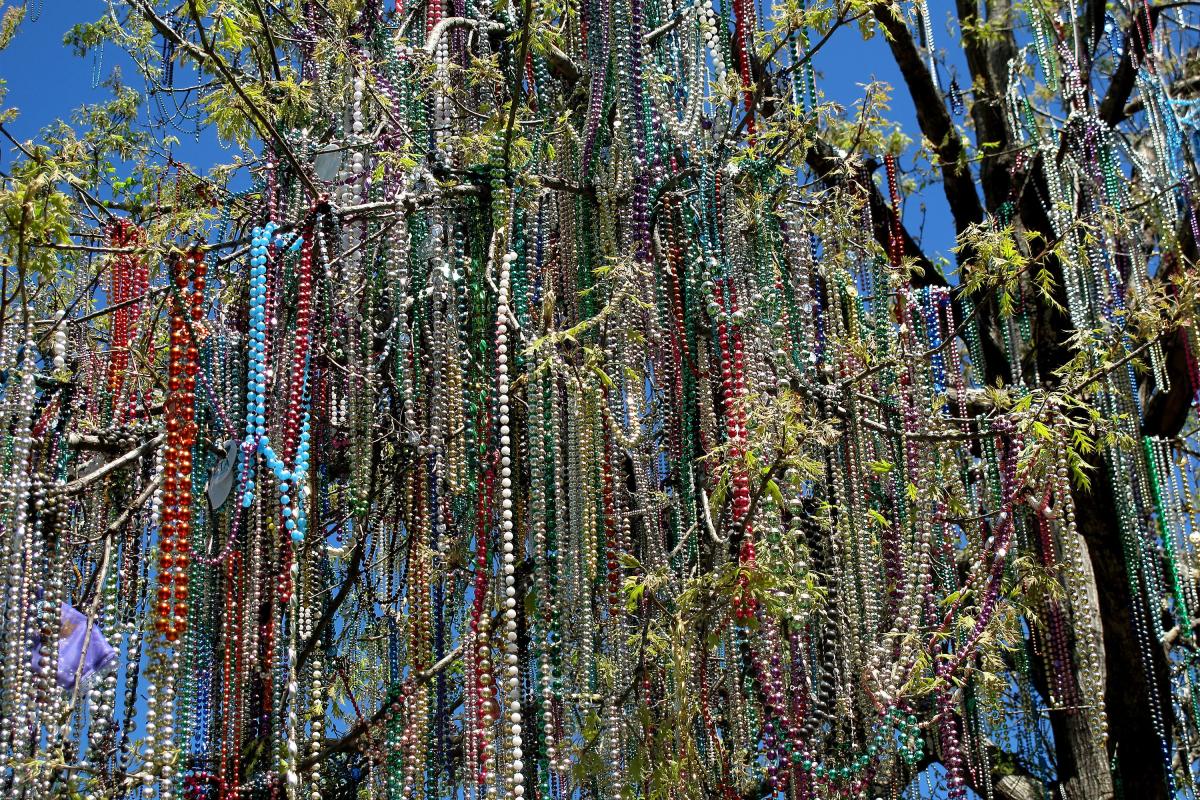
548	399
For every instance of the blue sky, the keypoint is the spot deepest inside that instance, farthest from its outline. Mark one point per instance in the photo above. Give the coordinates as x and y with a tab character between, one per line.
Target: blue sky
46	81
848	62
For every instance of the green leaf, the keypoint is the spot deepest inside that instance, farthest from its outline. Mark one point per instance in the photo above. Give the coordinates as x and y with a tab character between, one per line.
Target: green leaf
776	495
628	561
607	381
231	33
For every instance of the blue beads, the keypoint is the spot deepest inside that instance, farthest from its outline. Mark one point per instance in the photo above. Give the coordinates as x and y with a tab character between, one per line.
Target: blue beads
256	393
256	377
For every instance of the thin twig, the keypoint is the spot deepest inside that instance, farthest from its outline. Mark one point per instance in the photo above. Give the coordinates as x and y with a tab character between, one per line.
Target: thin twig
347	741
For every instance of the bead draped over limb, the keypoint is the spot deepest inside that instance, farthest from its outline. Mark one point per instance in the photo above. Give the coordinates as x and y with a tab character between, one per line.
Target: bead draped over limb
563	408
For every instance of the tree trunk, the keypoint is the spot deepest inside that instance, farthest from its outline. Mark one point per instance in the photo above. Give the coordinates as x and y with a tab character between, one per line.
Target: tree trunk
1134	742
1083	772
1138	705
1083	766
1017	787
1090	776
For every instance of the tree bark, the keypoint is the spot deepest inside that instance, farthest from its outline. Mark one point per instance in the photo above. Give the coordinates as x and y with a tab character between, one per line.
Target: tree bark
1134	743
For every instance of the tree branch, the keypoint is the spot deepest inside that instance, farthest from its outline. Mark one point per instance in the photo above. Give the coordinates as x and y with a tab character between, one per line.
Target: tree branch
80	484
208	56
347	742
934	120
1185	86
331	610
832	170
1112	107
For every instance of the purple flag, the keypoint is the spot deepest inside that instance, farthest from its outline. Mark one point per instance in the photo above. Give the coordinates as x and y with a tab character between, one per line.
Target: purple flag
98	657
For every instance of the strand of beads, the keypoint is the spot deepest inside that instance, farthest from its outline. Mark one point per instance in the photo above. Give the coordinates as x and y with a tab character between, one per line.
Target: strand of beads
515	778
521	451
128	283
175	536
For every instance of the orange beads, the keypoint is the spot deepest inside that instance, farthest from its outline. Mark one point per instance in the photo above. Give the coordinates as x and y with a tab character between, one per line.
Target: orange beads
171	606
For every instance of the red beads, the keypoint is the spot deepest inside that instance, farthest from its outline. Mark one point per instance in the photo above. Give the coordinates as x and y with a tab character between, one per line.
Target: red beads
292	421
183	360
128	281
896	232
